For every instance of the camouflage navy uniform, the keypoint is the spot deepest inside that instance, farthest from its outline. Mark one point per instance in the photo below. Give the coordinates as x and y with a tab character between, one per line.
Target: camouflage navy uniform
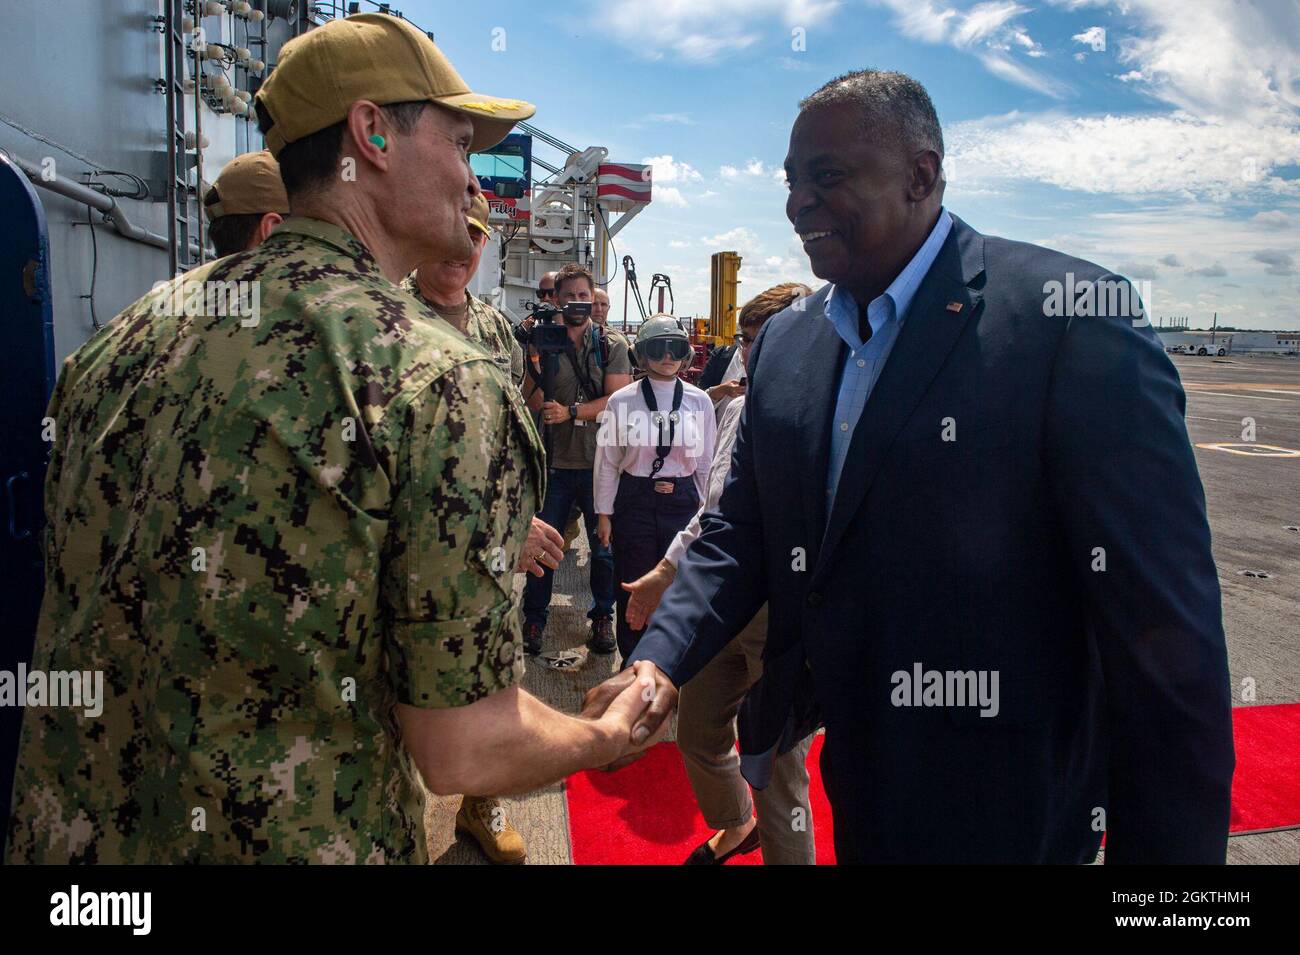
265	537
486	326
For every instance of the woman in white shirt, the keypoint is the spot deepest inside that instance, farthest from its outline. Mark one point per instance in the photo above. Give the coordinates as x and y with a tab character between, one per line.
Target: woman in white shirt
653	451
707	705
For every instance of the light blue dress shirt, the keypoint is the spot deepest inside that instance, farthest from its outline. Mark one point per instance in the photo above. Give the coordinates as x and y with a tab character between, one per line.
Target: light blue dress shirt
864	362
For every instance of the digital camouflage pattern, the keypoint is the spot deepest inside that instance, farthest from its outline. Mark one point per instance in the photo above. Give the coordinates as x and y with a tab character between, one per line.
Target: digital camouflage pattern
485	326
265	537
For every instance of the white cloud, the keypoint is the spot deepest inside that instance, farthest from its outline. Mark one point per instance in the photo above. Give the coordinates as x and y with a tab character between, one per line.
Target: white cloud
1094	37
794	64
753	169
681	119
1273	219
1211	244
669	196
678	244
739	238
667	169
1173	155
983	21
702	32
1031	48
1218	57
1136	271
987	30
1008	69
1278	262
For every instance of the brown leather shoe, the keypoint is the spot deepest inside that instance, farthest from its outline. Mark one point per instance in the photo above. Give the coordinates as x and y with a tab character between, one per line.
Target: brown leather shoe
485	819
703	854
602	636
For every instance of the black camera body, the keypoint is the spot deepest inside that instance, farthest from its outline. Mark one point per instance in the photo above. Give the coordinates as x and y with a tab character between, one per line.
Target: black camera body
549	334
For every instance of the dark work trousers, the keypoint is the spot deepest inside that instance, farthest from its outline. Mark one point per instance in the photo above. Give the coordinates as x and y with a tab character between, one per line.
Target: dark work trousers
644	523
564	488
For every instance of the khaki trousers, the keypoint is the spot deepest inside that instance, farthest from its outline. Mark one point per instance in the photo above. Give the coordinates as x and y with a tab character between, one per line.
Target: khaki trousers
706	736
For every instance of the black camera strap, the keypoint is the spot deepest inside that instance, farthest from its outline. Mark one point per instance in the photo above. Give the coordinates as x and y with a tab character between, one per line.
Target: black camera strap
661	450
585	381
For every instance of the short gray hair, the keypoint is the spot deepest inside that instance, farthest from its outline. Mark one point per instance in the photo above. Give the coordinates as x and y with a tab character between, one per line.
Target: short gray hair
884	94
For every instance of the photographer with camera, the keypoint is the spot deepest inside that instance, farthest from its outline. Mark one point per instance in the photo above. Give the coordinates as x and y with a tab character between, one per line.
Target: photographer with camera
579	371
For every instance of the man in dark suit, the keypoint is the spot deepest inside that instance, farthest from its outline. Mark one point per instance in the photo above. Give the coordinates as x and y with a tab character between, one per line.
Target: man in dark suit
963	485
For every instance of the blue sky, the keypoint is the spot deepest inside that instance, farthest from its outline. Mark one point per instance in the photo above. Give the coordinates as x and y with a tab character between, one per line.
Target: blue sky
1158	138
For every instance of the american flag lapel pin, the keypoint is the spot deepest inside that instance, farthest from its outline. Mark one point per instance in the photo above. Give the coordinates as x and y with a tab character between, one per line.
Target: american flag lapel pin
954	306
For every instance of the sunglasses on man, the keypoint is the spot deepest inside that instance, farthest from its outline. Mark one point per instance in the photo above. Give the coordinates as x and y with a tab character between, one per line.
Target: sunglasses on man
658	348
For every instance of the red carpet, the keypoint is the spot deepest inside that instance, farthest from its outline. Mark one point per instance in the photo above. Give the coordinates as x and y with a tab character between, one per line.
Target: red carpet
1266	787
645	814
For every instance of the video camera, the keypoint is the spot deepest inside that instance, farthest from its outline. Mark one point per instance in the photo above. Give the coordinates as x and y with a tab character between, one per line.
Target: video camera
548	333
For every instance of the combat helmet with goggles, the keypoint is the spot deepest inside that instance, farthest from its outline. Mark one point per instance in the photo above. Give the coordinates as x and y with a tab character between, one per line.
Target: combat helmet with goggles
662	336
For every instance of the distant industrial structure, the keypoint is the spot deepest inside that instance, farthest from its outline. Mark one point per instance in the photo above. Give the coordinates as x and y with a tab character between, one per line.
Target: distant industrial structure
1175	332
1232	340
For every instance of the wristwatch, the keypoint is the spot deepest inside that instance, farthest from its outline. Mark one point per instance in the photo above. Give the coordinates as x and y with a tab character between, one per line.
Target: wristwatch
573	411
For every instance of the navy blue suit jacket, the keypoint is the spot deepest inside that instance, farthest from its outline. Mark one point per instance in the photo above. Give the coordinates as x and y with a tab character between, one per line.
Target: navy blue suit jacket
1060	540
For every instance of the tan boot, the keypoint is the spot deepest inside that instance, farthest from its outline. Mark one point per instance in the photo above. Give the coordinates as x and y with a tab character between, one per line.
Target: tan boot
572	529
485	819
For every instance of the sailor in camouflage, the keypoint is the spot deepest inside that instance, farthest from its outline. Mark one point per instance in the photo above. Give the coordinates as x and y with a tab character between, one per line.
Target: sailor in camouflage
263	536
283	511
442	287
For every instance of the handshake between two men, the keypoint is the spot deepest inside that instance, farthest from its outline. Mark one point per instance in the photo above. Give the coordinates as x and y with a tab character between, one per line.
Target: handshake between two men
509	742
613	700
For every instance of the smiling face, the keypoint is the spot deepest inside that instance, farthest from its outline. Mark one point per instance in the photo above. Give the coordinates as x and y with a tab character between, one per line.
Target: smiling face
860	200
448	278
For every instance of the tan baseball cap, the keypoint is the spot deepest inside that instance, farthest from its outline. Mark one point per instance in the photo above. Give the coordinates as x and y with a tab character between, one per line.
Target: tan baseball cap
477	217
376	57
249	183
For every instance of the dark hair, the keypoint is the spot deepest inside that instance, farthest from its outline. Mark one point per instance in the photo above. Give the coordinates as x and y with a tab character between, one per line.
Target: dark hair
574	271
884	94
233	233
309	163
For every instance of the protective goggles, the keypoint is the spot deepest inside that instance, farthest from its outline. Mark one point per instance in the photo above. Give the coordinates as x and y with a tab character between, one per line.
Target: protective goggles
656	349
